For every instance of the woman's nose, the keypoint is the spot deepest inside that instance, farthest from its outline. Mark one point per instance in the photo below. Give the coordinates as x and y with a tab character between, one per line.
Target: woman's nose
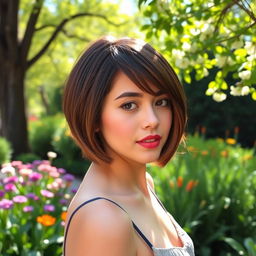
150	118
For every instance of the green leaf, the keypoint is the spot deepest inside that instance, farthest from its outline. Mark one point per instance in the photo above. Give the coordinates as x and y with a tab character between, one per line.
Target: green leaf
234	244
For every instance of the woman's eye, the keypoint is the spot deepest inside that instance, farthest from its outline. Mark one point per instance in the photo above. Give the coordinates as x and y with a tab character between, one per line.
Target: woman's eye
163	102
128	106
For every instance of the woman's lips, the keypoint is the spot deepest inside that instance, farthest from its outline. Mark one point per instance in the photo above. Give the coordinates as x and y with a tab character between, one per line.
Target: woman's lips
151	141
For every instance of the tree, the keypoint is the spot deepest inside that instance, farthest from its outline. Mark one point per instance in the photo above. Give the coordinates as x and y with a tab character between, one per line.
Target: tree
203	35
20	24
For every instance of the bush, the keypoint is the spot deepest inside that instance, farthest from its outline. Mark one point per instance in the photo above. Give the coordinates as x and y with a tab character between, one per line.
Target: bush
34	199
5	150
27	157
41	134
211	191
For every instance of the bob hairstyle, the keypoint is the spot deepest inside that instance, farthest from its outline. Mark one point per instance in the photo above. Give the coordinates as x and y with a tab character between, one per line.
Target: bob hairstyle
91	80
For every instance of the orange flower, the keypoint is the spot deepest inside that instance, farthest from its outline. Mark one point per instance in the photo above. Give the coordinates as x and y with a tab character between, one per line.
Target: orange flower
46	220
191	184
224	153
179	181
231	141
63	216
203	129
204	153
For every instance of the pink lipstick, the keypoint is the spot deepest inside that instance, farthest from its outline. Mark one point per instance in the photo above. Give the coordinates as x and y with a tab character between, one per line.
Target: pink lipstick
151	141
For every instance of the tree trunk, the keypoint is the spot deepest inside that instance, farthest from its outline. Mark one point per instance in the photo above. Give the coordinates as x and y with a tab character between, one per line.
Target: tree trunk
12	105
13	125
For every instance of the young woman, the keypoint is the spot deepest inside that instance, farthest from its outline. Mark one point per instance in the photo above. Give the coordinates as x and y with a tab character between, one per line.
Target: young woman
125	107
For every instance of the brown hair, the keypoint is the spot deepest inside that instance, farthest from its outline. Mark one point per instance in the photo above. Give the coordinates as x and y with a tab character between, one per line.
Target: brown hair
90	81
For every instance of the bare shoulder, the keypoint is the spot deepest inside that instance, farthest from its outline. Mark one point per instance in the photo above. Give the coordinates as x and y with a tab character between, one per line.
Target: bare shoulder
100	228
150	181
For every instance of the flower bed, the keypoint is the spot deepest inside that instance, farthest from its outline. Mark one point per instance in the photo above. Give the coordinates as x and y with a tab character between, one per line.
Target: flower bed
33	204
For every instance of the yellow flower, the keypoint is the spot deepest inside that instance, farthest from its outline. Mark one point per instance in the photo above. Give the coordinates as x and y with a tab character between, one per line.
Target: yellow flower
247	157
231	141
171	183
46	220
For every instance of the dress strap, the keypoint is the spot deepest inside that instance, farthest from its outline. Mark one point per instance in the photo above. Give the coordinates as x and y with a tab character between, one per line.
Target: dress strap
97	198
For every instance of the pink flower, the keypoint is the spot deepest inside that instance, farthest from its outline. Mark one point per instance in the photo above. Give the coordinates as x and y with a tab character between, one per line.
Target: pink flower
28	208
47	193
49	208
20	199
35	176
12	179
10	187
54	174
16	163
25	171
32	196
6	204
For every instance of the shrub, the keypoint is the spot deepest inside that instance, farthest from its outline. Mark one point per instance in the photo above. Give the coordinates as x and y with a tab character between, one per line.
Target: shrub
34	199
5	150
41	134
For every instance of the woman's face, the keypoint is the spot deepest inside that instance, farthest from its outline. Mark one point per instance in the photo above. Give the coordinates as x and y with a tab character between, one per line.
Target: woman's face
127	119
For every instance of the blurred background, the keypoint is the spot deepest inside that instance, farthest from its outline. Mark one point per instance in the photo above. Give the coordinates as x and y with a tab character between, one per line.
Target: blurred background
210	184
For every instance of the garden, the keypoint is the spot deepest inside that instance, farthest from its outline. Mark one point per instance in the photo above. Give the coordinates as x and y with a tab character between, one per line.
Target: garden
209	186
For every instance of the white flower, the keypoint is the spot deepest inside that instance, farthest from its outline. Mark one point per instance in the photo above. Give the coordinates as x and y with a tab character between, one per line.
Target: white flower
8	169
207	29
230	61
245	75
182	63
237	44
195	31
239	90
51	154
177	53
210	91
235	91
245	90
220	60
219	96
186	46
250	47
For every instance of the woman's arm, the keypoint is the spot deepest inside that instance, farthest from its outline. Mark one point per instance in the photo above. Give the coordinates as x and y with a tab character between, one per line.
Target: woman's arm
100	228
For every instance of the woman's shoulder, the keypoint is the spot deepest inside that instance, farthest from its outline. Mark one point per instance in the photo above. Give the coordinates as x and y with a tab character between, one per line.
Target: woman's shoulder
97	227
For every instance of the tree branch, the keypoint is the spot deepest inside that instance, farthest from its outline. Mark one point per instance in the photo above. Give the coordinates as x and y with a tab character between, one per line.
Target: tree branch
243	7
64	31
30	29
222	14
59	28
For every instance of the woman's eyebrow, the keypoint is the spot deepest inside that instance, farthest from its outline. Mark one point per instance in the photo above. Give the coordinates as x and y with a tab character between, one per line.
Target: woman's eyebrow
136	94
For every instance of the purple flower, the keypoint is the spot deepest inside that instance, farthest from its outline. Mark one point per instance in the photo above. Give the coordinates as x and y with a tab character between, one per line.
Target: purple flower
2	193
20	199
74	190
63	201
68	177
61	171
28	208
6	204
32	196
10	187
49	208
47	193
37	162
35	176
12	179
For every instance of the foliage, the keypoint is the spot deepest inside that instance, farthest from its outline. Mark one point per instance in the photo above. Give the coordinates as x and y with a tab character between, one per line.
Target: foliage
41	134
202	188
202	35
34	199
5	150
51	70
